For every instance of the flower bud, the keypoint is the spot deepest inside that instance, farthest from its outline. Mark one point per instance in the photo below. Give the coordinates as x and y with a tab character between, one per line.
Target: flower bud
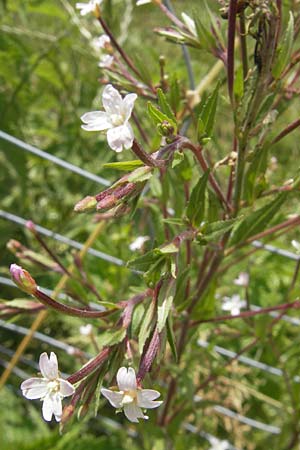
23	279
166	129
119	195
14	246
86	204
68	412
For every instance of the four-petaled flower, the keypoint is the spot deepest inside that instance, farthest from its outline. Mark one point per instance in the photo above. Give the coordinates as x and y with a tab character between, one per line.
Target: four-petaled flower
217	444
106	61
242	280
130	397
233	304
114	119
86	8
51	389
138	243
102	42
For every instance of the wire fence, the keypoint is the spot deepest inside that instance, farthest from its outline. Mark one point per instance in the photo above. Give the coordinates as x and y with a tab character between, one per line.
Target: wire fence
253	363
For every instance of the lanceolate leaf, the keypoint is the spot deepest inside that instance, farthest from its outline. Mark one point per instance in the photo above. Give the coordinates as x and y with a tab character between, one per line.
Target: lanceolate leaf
146	327
196	206
164	105
158	117
124	165
171	337
163	312
256	168
284	53
210	232
207	116
258	220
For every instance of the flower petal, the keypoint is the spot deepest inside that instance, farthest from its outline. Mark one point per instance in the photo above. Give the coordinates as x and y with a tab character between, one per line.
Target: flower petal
120	137
49	367
57	407
47	409
34	388
145	398
126	379
133	412
128	104
112	100
114	398
96	121
66	389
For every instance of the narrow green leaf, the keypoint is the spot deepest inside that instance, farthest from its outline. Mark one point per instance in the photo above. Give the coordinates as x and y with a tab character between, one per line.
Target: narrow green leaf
285	49
256	169
140	174
196	207
174	93
143	262
163	312
155	271
169	248
146	327
112	337
210	232
207	115
124	165
164	105
171	337
181	286
158	117
257	221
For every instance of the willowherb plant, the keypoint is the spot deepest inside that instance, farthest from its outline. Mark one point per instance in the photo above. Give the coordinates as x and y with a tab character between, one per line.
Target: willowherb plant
197	214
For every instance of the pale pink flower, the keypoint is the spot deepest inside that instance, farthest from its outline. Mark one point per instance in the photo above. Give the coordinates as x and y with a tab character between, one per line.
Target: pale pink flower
115	119
106	61
138	243
242	279
233	304
86	8
130	397
51	389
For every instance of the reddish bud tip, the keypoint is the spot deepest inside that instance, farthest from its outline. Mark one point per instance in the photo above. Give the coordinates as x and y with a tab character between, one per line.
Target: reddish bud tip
23	279
13	245
30	225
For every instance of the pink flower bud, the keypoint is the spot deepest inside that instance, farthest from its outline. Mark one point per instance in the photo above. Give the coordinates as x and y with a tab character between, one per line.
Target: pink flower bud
14	246
23	279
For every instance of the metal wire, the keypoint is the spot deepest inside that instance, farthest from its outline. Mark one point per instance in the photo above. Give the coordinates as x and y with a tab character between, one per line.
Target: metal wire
245	360
54	159
65	240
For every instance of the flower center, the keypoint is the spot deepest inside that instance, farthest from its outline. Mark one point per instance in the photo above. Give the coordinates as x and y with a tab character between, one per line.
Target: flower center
53	386
117	119
128	397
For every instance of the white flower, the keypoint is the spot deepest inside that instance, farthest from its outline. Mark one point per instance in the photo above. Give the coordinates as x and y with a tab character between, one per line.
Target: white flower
106	61
142	2
86	8
101	42
86	330
233	304
130	398
217	444
114	119
189	23
138	243
50	389
296	246
242	279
